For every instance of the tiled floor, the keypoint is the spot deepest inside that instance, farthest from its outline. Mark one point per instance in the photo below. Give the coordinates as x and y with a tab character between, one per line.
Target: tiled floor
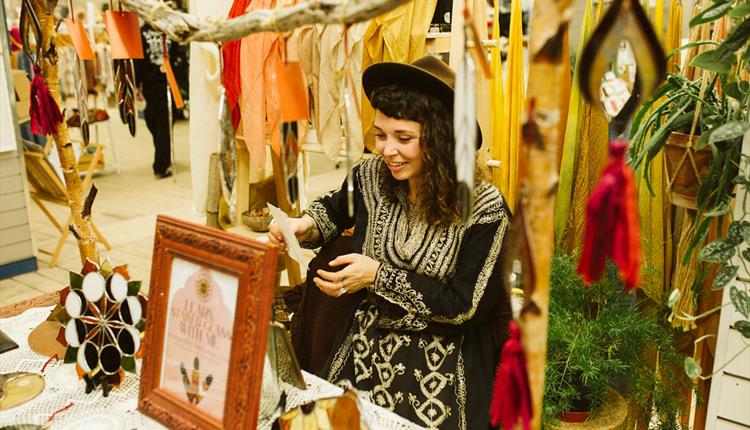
125	211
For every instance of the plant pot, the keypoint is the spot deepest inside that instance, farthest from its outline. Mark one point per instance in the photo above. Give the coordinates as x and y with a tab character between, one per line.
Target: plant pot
574	417
681	172
612	415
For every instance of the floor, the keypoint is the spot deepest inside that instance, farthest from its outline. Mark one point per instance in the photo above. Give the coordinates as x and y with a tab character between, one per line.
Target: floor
125	210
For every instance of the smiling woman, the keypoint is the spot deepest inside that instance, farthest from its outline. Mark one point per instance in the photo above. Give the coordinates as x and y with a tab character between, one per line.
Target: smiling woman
436	311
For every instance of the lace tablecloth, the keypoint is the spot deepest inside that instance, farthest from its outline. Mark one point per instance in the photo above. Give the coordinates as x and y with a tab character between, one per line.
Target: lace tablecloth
120	409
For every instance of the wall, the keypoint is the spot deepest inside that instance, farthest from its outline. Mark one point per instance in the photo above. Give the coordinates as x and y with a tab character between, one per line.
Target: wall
16	251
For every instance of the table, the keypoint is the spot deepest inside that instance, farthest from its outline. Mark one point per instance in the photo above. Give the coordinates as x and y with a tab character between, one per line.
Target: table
120	409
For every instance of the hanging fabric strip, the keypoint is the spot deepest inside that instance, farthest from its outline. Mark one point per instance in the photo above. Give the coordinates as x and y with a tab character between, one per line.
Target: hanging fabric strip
352	124
498	117
170	114
514	103
231	57
464	124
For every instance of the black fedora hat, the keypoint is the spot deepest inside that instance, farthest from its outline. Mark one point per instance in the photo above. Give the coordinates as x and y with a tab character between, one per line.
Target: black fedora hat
428	74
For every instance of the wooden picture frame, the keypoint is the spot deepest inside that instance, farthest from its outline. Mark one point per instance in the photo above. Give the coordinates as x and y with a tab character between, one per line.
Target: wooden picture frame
210	302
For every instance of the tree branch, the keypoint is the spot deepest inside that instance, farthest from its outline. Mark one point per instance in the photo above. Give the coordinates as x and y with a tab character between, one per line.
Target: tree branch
183	27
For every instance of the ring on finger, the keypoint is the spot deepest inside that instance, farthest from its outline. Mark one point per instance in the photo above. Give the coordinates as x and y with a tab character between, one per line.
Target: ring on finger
342	291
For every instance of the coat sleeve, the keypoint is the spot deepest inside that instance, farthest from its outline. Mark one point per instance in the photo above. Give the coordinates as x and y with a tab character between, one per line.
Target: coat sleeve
417	302
331	212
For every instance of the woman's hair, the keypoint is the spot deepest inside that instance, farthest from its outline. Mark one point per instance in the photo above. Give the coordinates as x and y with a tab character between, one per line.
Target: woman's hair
437	201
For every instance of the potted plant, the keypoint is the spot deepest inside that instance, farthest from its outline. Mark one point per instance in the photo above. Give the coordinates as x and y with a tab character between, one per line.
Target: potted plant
599	338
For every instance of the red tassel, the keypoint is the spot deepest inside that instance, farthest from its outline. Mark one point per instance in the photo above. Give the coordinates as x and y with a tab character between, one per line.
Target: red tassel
44	112
511	400
612	223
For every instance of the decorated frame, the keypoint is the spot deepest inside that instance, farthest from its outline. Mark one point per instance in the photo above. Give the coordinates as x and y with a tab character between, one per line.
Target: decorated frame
207	324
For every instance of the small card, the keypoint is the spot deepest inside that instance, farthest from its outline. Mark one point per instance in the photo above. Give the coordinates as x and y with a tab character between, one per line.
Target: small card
172	81
292	244
80	39
124	35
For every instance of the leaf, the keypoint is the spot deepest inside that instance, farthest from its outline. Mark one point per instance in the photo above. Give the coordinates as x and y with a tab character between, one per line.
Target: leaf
714	12
717	251
741	301
728	131
746	254
740	11
71	355
128	364
76	280
690	45
714	61
134	287
724	277
745	230
692	368
743	327
721	210
703	140
735	233
737	89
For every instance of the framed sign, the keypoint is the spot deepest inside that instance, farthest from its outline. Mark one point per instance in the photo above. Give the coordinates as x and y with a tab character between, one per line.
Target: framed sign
207	324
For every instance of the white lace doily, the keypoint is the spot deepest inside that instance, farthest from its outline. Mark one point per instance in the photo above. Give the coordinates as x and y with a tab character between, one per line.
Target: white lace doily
120	409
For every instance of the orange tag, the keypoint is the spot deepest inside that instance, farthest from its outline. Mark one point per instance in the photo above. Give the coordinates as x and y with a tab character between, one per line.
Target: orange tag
292	91
173	87
80	39
124	35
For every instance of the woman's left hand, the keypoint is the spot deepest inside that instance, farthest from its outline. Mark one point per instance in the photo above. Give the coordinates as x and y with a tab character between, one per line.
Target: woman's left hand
359	272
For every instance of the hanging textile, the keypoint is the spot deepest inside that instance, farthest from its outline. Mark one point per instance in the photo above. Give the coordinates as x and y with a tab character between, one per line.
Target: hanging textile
398	36
330	105
231	58
498	116
259	99
583	157
674	33
514	104
308	51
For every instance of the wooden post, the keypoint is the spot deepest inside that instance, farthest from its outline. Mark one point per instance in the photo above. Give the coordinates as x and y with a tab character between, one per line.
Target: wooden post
541	140
81	225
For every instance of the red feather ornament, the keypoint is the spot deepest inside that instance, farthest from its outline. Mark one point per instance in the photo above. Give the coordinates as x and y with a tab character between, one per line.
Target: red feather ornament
44	112
612	223
511	399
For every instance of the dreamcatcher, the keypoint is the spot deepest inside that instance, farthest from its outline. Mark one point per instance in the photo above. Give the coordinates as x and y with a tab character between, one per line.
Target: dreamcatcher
104	324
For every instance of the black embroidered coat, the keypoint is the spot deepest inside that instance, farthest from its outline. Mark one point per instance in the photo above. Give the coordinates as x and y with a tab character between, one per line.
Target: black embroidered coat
426	342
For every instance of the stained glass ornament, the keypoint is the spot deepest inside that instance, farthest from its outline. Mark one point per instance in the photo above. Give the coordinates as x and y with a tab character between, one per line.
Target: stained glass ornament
103	324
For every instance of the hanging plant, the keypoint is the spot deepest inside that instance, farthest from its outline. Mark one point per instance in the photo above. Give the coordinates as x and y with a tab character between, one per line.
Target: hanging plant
103	324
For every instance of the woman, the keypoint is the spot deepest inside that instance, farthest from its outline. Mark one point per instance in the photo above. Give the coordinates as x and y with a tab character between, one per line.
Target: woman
425	342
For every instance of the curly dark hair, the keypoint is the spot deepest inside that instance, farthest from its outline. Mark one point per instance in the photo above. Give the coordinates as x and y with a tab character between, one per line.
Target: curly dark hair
437	203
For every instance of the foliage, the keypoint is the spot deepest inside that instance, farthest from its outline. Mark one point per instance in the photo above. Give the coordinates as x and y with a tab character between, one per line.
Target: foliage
598	337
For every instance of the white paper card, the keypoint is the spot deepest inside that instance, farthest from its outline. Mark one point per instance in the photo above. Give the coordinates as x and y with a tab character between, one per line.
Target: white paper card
292	244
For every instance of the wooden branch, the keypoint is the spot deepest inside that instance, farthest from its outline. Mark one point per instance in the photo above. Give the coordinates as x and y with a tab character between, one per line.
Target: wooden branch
74	188
183	27
541	141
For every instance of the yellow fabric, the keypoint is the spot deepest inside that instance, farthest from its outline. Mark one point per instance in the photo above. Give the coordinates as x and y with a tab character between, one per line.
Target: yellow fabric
658	20
571	143
514	103
498	118
398	36
674	31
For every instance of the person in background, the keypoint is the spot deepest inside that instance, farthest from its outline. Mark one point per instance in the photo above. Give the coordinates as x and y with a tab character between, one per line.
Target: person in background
424	342
152	84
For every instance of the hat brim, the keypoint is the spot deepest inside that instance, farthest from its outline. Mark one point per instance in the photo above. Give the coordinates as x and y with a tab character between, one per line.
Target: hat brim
388	73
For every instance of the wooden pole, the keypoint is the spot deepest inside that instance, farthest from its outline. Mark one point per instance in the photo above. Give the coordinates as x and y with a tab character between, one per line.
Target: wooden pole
541	141
81	224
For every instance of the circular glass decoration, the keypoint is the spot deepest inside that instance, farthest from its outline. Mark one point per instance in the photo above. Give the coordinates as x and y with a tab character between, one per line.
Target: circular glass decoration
103	332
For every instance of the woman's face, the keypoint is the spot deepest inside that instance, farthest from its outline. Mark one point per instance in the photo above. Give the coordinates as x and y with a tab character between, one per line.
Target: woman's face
397	141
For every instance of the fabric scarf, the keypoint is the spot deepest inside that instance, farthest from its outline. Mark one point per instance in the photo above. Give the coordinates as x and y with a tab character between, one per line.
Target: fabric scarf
44	112
231	54
612	223
511	399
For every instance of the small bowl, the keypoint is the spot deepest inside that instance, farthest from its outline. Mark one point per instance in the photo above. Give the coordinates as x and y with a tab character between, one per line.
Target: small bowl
257	219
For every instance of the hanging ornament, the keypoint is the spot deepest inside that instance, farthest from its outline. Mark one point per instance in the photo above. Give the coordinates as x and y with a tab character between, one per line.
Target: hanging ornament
511	398
612	223
125	92
352	124
465	130
294	107
44	112
227	146
103	325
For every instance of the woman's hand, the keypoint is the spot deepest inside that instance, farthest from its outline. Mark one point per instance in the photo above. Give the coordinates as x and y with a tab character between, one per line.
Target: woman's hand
359	272
304	228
